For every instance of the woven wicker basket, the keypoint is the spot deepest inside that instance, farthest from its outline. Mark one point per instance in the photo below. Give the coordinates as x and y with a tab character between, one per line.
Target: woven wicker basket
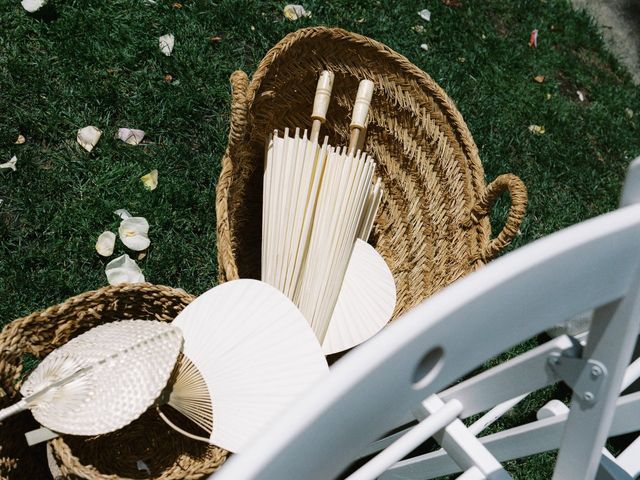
167	454
433	226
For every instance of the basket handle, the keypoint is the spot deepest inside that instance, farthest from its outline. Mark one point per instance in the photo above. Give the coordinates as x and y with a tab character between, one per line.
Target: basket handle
226	261
239	86
518	193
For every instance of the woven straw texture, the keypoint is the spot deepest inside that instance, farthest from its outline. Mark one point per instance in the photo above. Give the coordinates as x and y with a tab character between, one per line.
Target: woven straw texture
433	226
167	454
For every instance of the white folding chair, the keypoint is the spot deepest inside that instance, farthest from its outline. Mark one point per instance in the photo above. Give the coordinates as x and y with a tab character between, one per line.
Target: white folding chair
396	376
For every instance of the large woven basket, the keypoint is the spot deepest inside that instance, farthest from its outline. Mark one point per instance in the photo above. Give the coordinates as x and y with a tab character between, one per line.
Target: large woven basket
166	453
434	224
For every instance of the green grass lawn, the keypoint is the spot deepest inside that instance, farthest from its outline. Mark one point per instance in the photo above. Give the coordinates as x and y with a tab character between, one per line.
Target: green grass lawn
98	63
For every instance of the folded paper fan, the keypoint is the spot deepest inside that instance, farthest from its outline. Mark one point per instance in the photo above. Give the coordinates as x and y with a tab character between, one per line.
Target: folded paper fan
103	379
248	353
365	303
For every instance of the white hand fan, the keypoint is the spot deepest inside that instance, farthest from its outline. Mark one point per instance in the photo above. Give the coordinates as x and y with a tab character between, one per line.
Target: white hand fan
366	301
103	379
248	354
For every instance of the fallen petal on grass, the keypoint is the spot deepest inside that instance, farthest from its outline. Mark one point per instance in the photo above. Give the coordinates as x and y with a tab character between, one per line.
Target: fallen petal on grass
88	137
294	12
424	47
537	129
33	5
130	135
123	214
20	140
538	79
105	243
418	28
533	39
134	233
150	180
581	96
628	112
10	164
166	43
425	14
123	270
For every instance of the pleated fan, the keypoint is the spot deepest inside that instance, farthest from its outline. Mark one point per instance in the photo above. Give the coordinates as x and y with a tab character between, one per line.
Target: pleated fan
248	353
103	379
365	303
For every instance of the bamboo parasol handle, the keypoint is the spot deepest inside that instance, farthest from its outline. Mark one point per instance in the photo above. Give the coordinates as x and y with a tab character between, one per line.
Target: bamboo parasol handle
360	113
321	103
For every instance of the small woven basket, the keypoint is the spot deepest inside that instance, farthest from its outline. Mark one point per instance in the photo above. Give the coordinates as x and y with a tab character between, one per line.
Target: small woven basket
166	453
433	226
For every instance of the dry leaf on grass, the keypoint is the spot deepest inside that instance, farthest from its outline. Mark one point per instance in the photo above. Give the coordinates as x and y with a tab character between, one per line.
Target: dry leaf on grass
150	180
539	78
20	140
537	129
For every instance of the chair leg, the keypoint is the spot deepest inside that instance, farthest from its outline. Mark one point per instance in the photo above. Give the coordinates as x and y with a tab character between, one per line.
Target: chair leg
611	341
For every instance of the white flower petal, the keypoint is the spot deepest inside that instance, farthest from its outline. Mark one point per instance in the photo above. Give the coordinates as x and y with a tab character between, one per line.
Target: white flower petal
130	135
166	43
123	214
294	12
106	242
425	14
33	5
123	270
88	137
134	232
424	47
20	140
150	180
10	164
